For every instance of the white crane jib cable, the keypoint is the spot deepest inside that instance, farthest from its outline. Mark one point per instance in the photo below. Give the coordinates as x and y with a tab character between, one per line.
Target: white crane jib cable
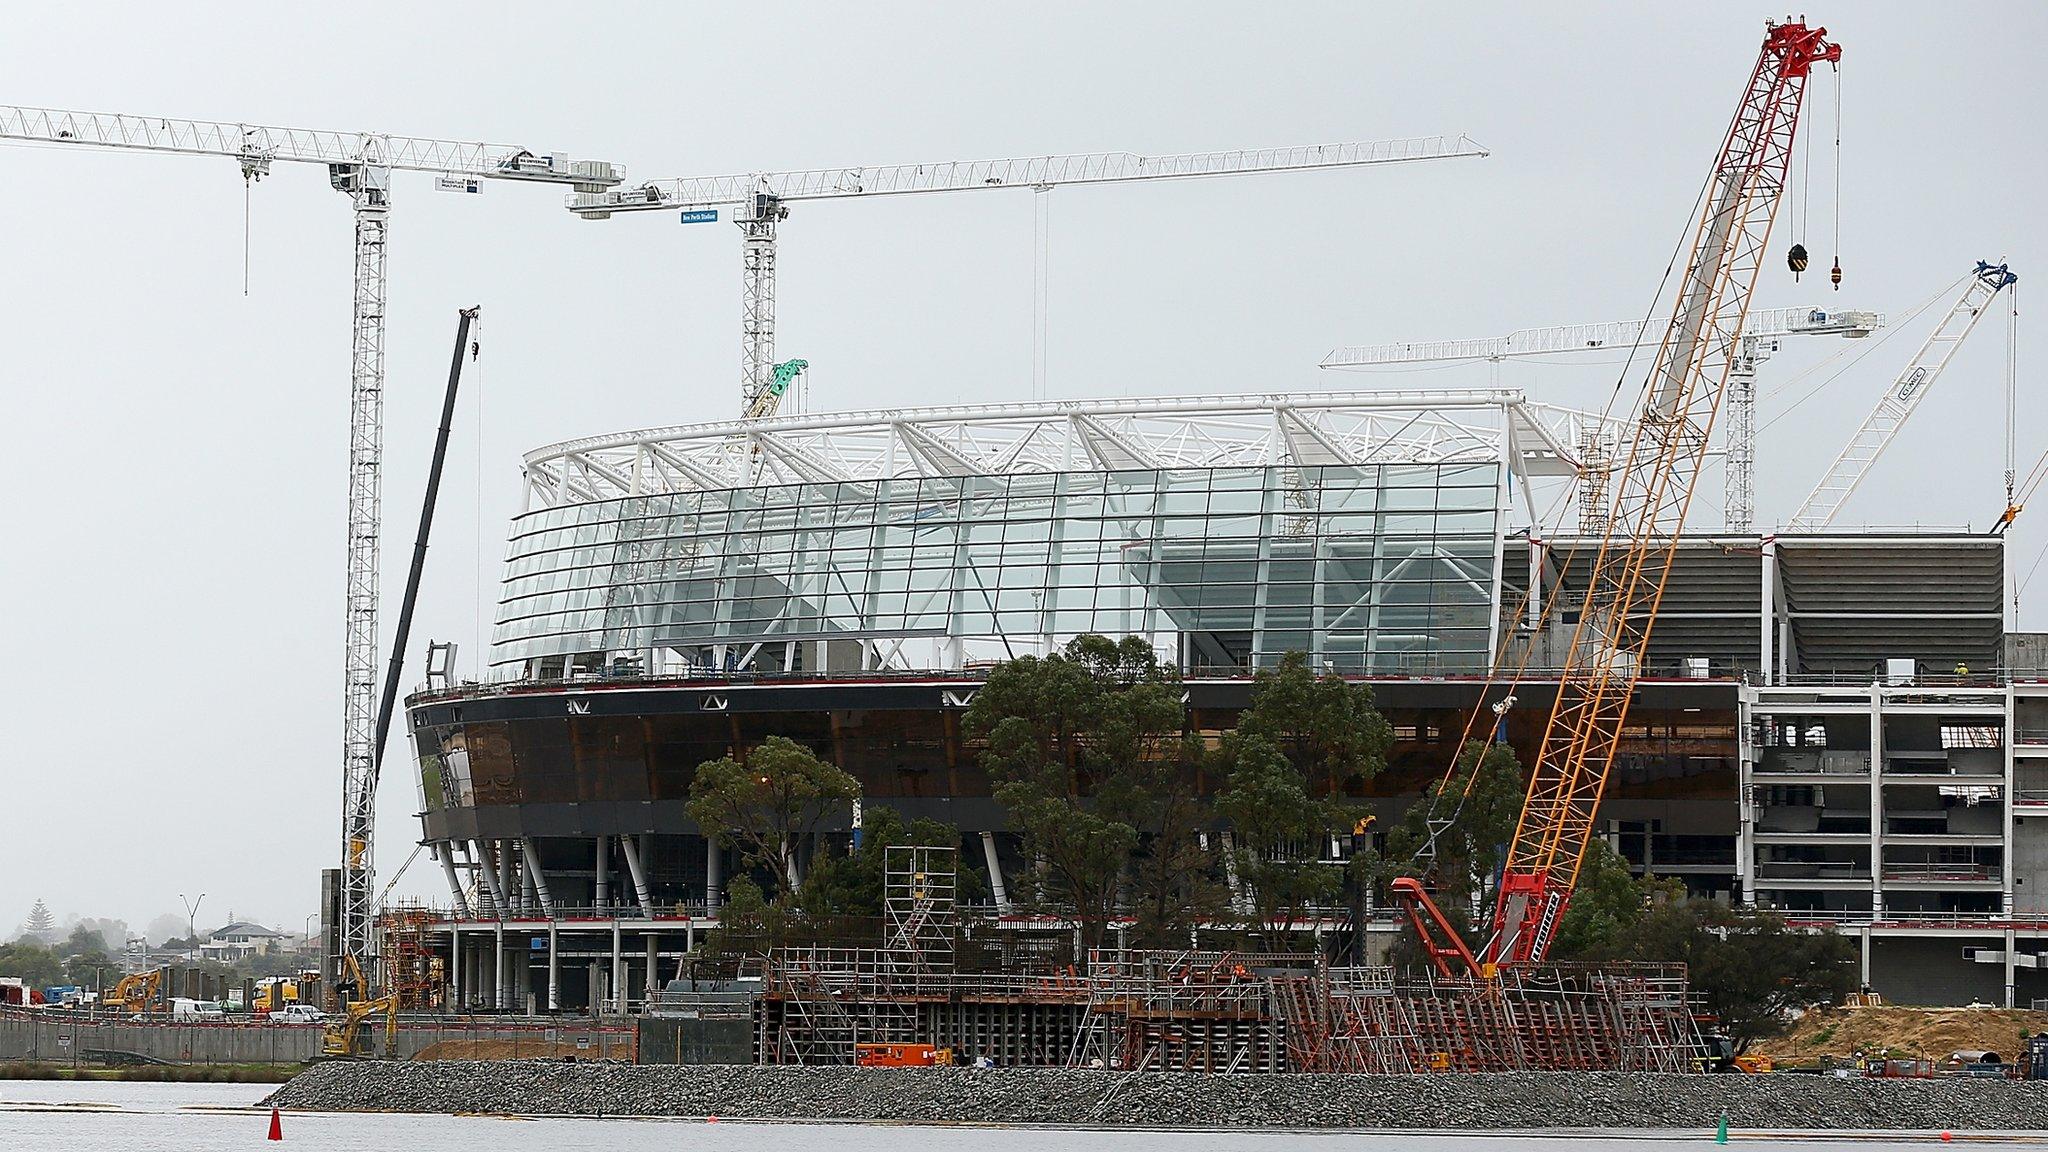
1761	331
359	164
1914	382
1760	324
757	200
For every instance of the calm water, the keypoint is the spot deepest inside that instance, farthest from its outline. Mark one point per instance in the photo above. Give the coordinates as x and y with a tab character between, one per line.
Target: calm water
54	1116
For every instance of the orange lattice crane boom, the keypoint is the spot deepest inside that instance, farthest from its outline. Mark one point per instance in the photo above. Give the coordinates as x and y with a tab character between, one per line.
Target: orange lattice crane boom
1655	479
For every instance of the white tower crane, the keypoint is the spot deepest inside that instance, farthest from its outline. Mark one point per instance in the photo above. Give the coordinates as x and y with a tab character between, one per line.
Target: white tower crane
1981	285
757	201
359	165
1761	332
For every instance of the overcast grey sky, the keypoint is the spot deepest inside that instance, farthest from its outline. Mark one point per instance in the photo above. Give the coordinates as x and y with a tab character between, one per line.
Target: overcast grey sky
170	588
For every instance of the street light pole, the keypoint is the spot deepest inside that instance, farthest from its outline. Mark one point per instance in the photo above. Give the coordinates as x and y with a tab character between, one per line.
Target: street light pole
191	924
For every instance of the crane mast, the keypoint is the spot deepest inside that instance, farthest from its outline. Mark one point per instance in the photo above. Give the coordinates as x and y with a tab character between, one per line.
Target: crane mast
1655	483
359	165
1915	381
1655	487
758	201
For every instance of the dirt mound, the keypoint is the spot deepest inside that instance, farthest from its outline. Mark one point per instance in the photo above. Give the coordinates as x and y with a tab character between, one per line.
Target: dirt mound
1927	1033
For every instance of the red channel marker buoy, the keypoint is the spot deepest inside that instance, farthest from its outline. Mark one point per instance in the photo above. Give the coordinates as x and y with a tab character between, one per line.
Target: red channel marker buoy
276	1125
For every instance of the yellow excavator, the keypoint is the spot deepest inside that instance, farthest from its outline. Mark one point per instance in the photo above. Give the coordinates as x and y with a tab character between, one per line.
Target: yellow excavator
340	1040
135	993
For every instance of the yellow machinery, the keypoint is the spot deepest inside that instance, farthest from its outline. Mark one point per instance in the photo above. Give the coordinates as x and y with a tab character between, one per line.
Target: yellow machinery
136	992
341	1036
339	1041
274	992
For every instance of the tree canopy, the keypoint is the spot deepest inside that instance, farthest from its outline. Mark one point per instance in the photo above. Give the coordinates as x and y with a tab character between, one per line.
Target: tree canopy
768	807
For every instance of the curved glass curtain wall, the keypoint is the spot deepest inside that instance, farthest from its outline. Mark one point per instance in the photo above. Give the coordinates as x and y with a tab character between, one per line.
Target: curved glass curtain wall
1383	568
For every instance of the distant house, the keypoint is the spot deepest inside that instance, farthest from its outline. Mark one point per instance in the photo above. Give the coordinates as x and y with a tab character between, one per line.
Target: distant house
239	941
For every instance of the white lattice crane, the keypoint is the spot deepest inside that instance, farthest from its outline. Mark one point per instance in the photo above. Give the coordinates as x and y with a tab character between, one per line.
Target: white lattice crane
1761	333
358	165
758	201
1915	381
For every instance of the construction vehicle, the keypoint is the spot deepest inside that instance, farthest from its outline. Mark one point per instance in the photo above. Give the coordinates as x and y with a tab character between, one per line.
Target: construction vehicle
136	992
1655	476
274	993
343	1034
901	1056
1722	1057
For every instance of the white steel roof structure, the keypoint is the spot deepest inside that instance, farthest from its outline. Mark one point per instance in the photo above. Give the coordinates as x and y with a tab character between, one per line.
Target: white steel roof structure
1304	430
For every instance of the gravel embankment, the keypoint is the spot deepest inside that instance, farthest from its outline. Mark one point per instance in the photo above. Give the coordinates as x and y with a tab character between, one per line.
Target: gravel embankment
1094	1097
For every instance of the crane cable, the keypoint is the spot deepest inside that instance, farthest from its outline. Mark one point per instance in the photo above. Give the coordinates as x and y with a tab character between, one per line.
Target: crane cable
1498	709
1861	348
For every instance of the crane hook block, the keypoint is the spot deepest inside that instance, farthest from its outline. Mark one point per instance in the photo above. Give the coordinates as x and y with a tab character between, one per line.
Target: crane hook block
1796	259
1835	277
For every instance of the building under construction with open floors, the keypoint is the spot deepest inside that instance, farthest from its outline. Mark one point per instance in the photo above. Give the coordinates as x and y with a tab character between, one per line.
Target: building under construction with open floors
1835	724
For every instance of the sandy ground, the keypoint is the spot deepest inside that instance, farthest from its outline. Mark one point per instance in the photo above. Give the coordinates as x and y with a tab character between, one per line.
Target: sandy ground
1928	1033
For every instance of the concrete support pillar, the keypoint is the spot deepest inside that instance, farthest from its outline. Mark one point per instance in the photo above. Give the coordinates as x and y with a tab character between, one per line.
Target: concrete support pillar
1532	615
654	966
554	968
455	981
445	852
995	874
499	999
714	874
1876	801
630	845
1767	617
603	897
535	877
2010	942
529	899
618	973
1863	973
487	874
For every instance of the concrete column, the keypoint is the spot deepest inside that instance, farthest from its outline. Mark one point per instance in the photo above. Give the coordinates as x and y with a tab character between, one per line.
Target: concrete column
714	874
1533	614
603	897
618	973
1767	616
498	997
554	969
446	853
1876	801
529	899
995	874
2007	795
1745	793
455	981
2010	943
535	877
630	845
1863	974
654	966
487	871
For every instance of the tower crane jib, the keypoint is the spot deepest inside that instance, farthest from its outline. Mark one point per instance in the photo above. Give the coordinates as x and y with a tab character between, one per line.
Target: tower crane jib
758	201
359	165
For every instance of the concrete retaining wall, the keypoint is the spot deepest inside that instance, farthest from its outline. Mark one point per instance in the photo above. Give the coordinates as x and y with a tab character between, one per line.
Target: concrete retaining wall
1094	1097
66	1037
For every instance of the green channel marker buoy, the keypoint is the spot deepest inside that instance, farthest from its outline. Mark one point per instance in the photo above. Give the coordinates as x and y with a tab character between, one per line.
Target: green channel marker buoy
1721	1133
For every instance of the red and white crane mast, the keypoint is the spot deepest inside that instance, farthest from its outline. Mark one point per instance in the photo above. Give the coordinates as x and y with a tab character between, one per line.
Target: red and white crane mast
1655	483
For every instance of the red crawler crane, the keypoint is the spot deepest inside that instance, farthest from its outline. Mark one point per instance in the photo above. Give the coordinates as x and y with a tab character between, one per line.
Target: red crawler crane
1656	478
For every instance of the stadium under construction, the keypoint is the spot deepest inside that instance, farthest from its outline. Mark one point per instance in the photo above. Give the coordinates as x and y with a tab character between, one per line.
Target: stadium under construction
1835	724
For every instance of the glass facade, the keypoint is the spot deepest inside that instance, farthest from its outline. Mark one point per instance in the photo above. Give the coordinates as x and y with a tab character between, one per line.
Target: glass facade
1374	568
